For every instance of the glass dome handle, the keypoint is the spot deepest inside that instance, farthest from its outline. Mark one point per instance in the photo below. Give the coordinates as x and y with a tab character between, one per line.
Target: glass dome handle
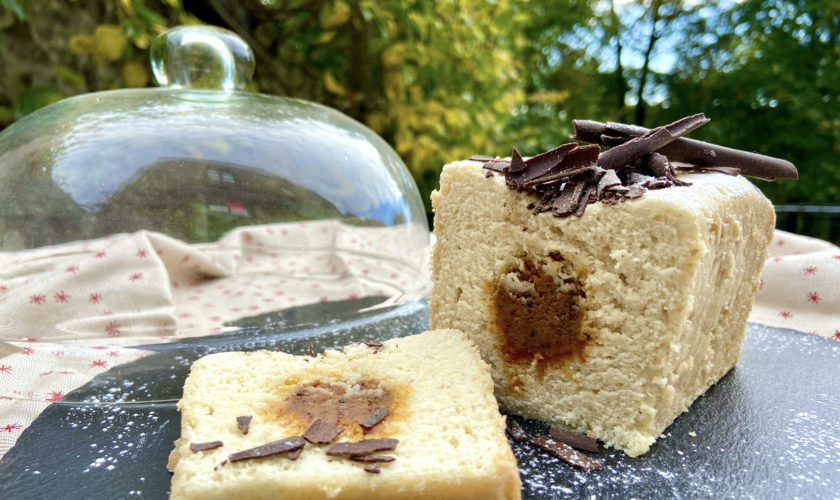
201	57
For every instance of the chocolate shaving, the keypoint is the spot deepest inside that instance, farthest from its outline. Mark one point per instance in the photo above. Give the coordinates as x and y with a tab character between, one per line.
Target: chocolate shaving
373	469
294	454
244	423
574	439
584	200
515	430
481	158
566	453
567	202
209	445
320	432
497	165
572	161
373	458
545	163
657	164
376	344
517	164
274	448
312	350
374	418
608	180
363	447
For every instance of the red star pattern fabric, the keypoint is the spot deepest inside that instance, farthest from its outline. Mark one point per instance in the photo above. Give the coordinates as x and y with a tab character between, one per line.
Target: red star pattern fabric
73	307
34	374
799	286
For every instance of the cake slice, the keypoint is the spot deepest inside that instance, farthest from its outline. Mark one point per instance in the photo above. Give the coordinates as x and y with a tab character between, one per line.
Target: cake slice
609	323
412	417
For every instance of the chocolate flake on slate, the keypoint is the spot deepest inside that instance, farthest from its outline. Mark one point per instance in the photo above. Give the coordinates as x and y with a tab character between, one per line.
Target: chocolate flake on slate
244	423
363	447
274	448
373	458
515	430
209	445
376	344
374	418
320	432
574	439
373	469
566	453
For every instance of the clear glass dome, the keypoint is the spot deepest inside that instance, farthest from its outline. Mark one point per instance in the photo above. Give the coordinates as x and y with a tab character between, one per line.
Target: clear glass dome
241	186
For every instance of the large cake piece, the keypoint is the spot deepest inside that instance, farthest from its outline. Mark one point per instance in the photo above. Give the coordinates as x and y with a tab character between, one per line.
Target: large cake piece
412	417
611	322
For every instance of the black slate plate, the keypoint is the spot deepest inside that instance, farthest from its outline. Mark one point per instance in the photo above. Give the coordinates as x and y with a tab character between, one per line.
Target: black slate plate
768	429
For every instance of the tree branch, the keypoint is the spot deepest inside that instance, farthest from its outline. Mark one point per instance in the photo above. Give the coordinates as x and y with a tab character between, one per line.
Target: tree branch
654	36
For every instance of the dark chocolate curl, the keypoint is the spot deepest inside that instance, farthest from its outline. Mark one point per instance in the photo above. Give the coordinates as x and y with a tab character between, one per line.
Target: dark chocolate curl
699	153
636	148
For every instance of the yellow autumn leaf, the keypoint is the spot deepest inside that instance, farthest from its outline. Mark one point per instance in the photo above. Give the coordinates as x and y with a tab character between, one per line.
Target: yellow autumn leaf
135	74
377	121
335	15
81	44
394	85
394	55
549	96
403	140
332	85
452	117
326	37
109	41
128	8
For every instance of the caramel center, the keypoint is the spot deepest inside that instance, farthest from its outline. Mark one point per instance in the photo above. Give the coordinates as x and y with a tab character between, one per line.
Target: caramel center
338	403
537	312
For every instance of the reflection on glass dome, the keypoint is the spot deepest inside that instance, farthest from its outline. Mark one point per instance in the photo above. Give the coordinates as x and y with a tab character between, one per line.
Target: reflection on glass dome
198	208
87	155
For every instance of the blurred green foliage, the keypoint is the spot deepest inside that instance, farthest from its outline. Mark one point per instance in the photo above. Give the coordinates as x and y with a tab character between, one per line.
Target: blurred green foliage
444	80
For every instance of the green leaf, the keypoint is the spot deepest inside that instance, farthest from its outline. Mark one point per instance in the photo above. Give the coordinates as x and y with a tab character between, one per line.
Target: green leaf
34	98
15	7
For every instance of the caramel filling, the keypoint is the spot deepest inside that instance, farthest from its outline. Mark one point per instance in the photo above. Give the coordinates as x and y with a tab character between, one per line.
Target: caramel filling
338	403
537	312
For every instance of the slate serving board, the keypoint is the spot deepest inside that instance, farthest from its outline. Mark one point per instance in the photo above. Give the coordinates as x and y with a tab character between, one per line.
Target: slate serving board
768	429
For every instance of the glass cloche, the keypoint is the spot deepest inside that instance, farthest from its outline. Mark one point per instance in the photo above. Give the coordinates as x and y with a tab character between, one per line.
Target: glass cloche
145	215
